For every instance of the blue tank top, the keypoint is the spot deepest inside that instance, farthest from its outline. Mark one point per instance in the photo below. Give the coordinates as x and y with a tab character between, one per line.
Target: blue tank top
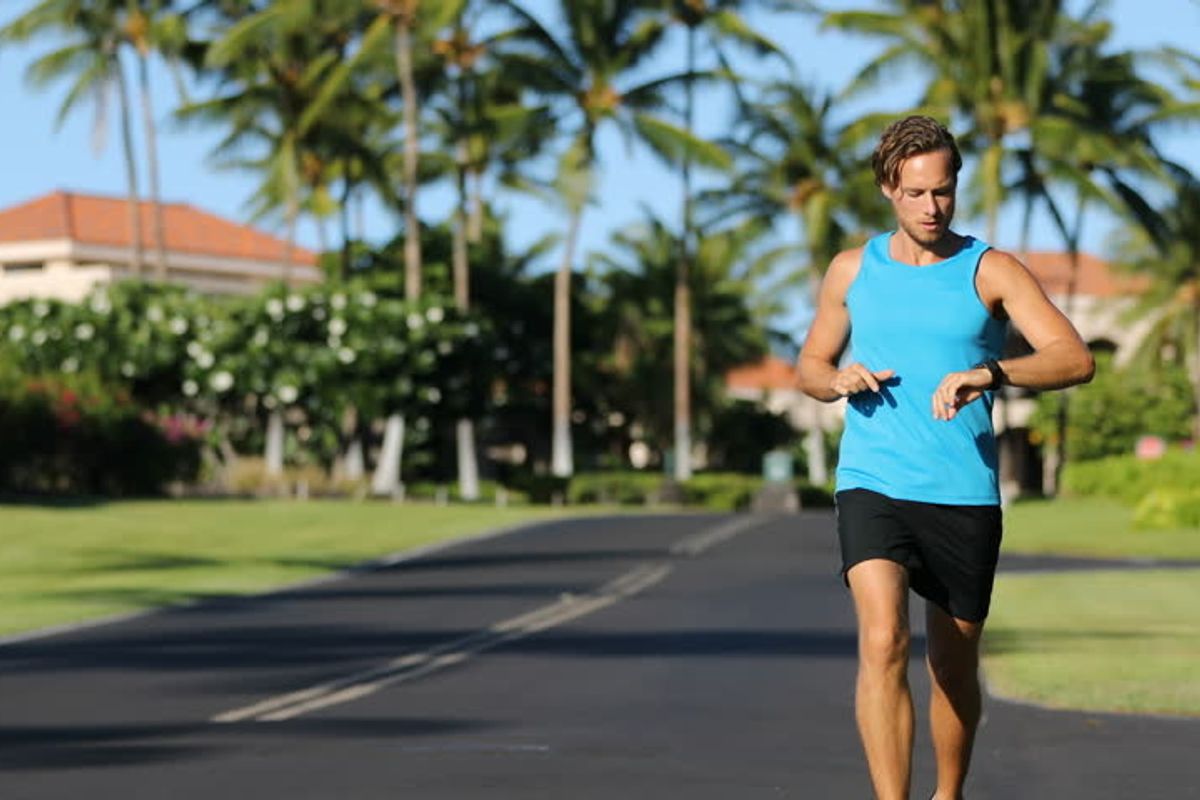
922	322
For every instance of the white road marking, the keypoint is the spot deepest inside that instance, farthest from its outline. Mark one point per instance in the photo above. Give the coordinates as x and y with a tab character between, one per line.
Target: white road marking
415	665
698	543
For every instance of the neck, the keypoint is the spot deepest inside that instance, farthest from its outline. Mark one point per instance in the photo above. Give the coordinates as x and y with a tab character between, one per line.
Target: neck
907	250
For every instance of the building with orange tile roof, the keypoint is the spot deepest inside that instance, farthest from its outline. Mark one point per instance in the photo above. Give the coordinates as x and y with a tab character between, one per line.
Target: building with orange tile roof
64	243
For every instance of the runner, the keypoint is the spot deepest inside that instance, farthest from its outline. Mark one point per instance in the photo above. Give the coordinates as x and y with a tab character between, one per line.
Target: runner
924	311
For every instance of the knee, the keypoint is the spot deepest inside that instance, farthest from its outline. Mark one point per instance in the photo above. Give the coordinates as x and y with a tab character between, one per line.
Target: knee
954	671
883	646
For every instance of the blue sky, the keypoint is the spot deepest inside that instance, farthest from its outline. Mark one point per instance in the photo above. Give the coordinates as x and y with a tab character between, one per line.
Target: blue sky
39	159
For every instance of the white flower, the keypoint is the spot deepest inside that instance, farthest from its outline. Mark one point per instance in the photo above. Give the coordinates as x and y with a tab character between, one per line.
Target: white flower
415	321
368	299
178	326
334	341
318	313
38	338
100	304
16	333
444	348
269	402
84	332
194	349
261	337
435	314
472	330
221	381
288	394
127	369
337	326
433	395
41	308
154	314
346	355
70	365
190	388
275	309
295	302
205	360
338	301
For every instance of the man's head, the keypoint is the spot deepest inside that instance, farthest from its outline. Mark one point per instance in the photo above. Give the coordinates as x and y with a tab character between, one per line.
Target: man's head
916	167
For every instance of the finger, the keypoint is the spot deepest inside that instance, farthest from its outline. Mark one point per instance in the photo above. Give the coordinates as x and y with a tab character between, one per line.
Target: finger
867	377
884	374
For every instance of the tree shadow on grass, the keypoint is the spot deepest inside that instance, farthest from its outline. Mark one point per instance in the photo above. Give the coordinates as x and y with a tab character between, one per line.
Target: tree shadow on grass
1002	641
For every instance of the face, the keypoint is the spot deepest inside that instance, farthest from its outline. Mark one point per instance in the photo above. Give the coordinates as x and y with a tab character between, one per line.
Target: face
924	199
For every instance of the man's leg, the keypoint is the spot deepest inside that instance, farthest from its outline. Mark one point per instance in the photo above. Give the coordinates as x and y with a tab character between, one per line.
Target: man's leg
954	704
883	703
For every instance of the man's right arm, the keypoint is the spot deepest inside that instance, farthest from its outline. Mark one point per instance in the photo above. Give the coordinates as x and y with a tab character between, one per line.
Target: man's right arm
829	330
817	372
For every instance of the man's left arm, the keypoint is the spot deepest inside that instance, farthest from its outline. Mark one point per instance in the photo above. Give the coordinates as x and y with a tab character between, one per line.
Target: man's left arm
1059	358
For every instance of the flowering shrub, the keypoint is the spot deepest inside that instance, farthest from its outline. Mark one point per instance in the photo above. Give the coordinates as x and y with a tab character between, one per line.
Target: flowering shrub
72	433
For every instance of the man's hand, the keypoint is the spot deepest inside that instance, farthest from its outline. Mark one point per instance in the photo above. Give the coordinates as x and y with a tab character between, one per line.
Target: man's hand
857	378
957	389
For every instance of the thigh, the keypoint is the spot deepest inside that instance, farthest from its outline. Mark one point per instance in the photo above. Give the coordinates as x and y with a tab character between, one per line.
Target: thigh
951	641
880	591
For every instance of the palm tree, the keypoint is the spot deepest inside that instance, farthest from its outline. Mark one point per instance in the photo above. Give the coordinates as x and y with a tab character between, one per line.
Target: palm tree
282	70
482	122
720	23
148	26
586	72
91	59
984	61
1168	253
793	163
735	292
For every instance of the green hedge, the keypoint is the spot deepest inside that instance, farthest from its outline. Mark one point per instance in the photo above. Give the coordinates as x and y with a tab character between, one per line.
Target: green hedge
1168	508
76	436
1129	480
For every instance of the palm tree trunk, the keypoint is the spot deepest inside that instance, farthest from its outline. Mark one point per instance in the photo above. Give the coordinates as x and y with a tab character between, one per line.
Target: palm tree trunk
412	229
160	235
136	256
1196	362
683	299
344	219
292	212
274	445
562	461
475	222
468	464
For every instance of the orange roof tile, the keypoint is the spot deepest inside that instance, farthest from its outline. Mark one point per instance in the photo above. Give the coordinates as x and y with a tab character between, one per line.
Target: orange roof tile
770	373
92	219
1096	278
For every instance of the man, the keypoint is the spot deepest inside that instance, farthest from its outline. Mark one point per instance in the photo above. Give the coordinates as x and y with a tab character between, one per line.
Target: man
924	311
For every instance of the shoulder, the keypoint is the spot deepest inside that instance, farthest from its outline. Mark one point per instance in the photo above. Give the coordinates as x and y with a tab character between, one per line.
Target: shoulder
1000	271
844	269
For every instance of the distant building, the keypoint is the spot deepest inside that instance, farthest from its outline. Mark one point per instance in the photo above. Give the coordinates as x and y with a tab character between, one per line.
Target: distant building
1100	300
62	244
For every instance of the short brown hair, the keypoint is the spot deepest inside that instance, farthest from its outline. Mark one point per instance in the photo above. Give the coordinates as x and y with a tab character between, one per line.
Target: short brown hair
908	137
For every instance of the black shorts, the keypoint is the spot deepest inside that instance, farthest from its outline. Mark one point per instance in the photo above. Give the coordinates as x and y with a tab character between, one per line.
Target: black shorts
950	551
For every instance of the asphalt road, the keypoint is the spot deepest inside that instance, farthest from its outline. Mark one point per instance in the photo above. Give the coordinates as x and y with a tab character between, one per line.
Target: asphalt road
633	657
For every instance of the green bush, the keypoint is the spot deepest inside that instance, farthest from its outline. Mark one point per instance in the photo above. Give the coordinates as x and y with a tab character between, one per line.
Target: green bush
75	435
1129	479
814	496
721	491
623	488
1168	508
541	488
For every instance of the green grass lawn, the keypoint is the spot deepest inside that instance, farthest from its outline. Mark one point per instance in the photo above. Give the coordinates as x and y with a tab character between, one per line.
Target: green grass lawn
1091	527
66	564
1102	641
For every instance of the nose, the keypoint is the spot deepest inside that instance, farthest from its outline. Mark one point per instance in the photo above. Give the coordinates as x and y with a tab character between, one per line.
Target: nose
931	205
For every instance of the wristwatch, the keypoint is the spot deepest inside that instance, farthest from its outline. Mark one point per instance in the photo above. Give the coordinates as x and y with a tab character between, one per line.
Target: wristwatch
998	376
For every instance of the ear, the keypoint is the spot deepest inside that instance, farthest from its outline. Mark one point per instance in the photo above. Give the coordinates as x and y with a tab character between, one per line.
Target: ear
887	191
